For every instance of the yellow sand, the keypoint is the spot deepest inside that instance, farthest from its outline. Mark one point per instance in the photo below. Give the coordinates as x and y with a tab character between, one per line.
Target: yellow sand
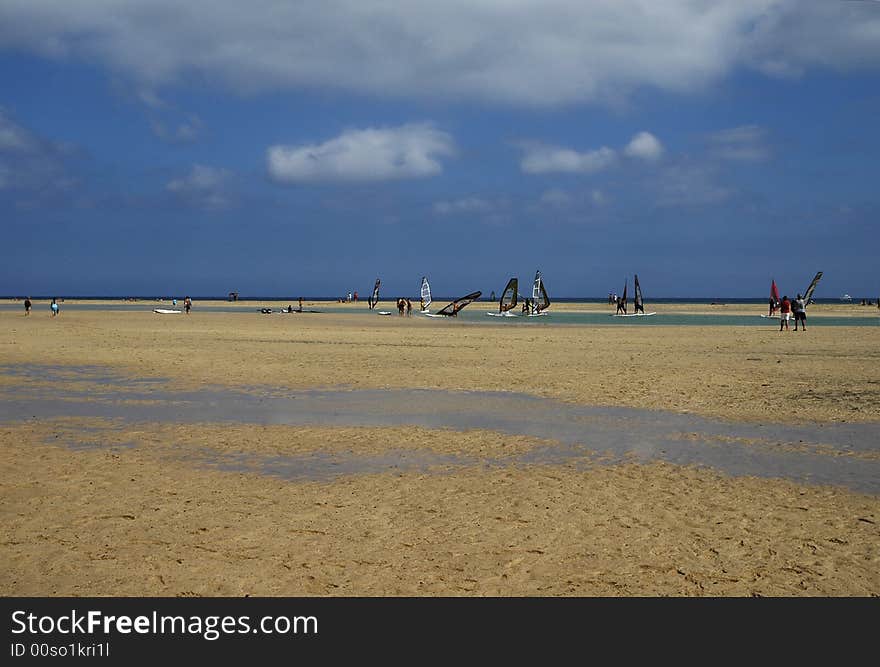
143	511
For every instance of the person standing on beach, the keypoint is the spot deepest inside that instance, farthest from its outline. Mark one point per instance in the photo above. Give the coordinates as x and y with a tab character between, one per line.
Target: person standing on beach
784	314
27	306
54	307
187	304
408	307
800	313
773	306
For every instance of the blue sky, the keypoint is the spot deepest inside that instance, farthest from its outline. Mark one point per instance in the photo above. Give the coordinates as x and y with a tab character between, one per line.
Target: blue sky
283	149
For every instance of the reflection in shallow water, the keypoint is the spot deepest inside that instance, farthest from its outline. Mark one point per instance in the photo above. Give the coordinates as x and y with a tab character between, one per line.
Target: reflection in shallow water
838	454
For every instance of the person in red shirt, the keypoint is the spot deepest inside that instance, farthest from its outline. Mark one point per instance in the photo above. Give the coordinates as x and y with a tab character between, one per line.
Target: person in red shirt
784	313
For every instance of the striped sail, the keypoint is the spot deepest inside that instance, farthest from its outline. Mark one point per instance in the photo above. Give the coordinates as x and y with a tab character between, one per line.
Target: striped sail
426	294
540	299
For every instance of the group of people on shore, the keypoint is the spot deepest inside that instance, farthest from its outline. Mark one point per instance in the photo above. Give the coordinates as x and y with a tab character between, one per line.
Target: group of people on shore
54	307
787	308
404	307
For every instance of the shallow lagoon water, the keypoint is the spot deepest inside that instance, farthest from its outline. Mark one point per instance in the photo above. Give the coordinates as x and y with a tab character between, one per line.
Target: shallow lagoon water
476	313
838	454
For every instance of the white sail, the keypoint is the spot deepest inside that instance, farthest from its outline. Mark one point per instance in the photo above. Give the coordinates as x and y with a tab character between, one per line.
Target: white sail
426	294
540	299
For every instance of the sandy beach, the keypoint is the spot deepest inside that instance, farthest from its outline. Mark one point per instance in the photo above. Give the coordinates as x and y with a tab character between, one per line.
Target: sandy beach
112	507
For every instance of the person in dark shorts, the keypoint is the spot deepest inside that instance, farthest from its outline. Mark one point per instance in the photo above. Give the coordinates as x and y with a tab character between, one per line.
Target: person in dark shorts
800	313
27	306
187	304
54	306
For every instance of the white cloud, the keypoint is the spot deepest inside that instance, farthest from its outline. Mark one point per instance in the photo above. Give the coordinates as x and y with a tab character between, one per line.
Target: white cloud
542	158
689	185
533	53
644	146
463	206
556	198
14	138
373	154
187	131
204	187
745	143
30	162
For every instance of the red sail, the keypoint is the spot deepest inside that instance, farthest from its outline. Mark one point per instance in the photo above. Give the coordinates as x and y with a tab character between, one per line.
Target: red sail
774	292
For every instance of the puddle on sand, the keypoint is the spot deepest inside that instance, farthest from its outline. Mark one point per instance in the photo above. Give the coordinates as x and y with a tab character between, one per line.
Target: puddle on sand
838	454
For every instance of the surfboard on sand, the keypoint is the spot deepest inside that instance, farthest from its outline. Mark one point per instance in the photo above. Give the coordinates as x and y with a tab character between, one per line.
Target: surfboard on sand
634	314
166	311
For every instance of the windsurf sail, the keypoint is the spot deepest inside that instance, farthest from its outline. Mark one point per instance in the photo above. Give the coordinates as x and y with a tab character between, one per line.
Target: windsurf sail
774	292
452	309
623	298
637	300
426	294
509	296
374	299
540	299
808	295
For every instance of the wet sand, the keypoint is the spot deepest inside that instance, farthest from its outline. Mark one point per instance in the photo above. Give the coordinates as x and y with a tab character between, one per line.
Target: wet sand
93	507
